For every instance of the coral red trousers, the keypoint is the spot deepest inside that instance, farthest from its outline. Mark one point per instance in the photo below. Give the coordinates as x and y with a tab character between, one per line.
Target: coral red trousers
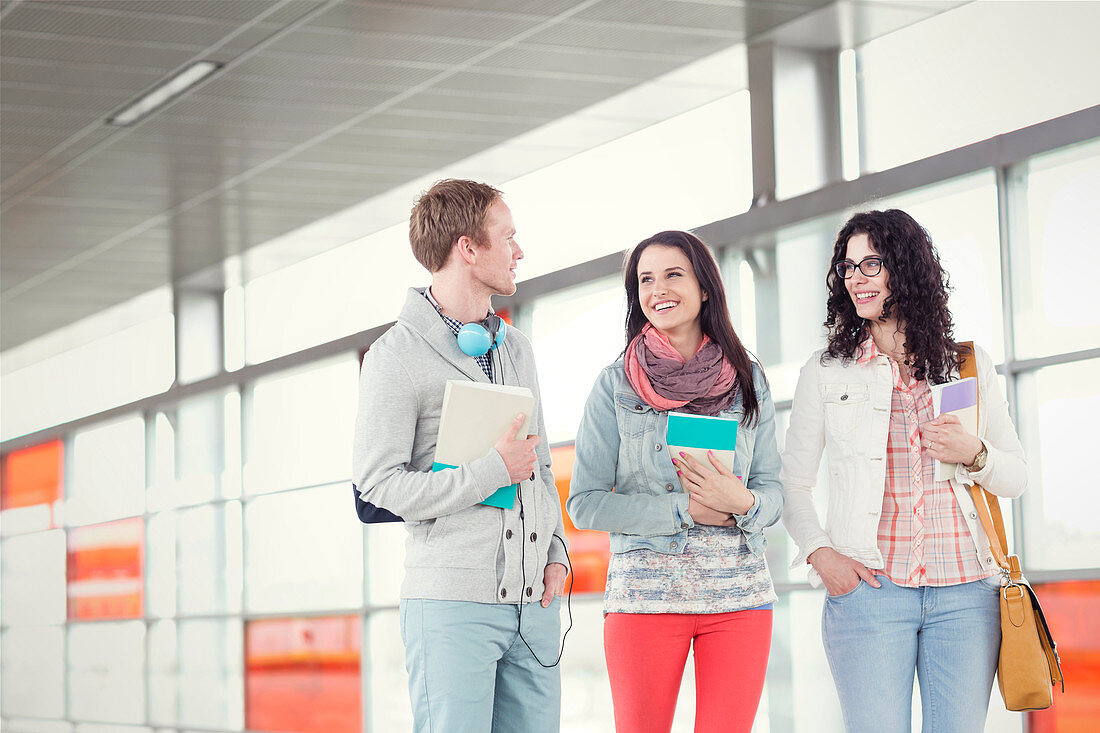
645	663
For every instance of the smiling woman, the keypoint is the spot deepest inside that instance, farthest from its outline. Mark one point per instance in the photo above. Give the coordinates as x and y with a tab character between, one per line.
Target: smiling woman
899	541
687	566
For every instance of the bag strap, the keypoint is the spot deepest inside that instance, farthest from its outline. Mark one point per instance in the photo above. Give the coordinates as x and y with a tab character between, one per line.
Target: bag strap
989	508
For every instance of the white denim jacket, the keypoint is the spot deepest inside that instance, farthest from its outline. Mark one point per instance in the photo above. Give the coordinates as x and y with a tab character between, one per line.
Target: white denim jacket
844	407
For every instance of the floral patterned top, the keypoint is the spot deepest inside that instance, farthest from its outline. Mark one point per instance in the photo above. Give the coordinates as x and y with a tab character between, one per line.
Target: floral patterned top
716	573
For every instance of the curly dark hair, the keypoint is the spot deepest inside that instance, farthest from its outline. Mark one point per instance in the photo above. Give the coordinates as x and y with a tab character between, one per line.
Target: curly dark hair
714	315
918	294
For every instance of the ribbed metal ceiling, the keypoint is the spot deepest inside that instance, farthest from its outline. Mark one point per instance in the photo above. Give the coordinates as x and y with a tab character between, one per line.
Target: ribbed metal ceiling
321	104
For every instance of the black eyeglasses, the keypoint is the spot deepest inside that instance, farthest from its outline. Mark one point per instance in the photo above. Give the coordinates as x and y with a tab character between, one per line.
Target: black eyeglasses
869	266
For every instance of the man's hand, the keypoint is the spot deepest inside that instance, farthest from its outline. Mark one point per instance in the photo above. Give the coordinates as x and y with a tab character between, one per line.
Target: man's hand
840	573
519	455
553	578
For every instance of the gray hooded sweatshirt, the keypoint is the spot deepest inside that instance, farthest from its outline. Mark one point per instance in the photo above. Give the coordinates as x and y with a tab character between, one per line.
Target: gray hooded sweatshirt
457	549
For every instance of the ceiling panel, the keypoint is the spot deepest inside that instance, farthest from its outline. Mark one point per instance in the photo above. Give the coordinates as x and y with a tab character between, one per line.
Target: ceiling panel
419	20
319	105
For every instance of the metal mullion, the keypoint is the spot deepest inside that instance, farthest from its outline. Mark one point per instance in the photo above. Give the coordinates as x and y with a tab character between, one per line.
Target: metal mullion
1034	364
150	419
1010	237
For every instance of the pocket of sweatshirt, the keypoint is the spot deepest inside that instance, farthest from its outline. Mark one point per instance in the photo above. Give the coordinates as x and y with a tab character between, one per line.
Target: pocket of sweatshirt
458	541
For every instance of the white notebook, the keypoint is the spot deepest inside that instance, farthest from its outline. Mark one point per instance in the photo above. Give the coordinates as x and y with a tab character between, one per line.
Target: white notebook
959	398
475	415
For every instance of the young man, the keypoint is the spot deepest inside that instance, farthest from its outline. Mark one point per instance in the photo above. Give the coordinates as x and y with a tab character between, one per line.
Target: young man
476	576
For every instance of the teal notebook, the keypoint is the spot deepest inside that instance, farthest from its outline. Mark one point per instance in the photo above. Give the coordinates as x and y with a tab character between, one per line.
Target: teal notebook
504	497
697	434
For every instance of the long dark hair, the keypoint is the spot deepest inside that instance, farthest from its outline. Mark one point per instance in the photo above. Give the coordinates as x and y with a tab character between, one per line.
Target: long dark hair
714	315
918	294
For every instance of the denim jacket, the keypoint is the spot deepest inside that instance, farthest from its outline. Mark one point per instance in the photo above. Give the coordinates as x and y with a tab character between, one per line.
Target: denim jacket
621	444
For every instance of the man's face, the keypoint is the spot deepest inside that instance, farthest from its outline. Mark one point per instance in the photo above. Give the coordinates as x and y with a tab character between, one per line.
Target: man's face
498	254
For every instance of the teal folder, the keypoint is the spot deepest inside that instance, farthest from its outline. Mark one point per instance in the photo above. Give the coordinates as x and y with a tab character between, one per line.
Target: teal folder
504	497
697	434
701	431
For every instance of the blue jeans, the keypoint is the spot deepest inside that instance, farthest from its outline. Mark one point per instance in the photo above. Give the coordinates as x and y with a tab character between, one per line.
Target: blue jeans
876	637
469	670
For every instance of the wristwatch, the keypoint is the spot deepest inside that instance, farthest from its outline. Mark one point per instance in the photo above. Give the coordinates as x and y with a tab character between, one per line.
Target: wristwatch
979	460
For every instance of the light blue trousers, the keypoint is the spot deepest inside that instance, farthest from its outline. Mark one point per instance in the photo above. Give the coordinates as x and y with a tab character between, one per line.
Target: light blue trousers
469	670
876	637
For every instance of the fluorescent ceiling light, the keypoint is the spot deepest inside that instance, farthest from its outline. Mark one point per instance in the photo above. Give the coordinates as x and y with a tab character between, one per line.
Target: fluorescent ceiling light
161	94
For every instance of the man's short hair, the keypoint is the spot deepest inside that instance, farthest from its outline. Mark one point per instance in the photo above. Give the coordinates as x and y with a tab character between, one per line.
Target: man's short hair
450	209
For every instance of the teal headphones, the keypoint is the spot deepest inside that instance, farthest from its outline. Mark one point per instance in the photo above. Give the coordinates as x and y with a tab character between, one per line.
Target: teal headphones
478	339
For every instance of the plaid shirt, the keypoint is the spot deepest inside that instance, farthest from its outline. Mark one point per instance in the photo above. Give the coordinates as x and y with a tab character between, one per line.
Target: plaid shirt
483	361
922	533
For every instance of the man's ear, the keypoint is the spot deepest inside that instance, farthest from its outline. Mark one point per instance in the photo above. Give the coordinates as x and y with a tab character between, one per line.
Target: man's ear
466	249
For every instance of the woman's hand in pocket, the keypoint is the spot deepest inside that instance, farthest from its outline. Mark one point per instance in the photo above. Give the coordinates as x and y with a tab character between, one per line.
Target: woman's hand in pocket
840	573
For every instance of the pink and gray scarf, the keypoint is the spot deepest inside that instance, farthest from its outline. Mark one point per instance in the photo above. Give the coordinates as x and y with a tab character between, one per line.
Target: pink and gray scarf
705	384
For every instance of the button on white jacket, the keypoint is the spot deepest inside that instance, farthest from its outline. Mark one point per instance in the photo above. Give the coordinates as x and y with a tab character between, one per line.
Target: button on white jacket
844	408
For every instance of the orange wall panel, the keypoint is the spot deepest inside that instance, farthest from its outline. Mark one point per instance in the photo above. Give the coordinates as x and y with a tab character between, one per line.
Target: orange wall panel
302	675
589	550
32	476
105	570
1071	609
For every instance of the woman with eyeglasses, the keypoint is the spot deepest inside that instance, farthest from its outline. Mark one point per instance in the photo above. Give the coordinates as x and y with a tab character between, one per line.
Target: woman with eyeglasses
912	585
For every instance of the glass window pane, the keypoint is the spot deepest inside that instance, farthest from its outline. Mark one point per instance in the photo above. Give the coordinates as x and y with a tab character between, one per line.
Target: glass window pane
30	486
781	548
575	333
163	675
807	685
303	675
386	553
304	550
961	216
210	559
985	68
190	449
211	681
301	427
34	579
112	358
388	687
677	174
584	672
106	676
33	672
1054	270
106	564
108	473
202	575
160	556
322	298
797	300
1062	501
